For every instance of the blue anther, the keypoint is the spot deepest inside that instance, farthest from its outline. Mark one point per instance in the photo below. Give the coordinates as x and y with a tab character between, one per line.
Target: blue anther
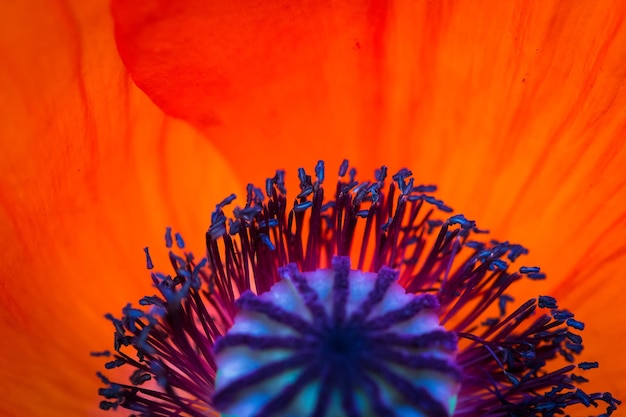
578	325
502	303
319	171
425	188
546	301
168	237
302	206
302	176
267	241
180	243
149	263
461	221
536	276
587	365
227	200
381	174
574	338
343	168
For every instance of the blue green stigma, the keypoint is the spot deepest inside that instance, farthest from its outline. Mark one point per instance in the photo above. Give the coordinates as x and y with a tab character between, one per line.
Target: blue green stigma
337	342
377	301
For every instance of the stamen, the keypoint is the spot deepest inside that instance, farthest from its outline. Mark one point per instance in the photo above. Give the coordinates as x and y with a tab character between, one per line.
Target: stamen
274	322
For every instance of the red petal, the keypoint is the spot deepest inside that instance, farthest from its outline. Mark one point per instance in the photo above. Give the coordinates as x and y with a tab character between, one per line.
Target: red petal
265	80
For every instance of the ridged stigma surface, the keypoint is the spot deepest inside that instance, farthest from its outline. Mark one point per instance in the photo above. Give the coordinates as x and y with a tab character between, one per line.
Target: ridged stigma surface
234	362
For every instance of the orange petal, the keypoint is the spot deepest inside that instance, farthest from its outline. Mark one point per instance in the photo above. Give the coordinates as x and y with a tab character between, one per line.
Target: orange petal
517	110
265	80
91	173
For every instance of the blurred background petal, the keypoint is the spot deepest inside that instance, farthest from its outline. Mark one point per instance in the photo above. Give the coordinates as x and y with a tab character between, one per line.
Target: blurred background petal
91	173
517	112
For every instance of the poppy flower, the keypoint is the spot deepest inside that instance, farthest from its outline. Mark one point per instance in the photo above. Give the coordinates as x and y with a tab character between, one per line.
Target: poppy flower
515	111
274	322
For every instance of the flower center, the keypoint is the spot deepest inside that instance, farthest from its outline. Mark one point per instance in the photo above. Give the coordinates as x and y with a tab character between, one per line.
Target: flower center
336	343
342	345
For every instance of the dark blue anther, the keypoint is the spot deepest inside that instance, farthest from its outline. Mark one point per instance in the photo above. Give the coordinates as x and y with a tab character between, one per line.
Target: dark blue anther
437	203
529	269
515	251
381	174
319	171
119	326
257	194
217	228
352	174
490	322
302	206
302	176
343	168
168	237
475	244
227	201
575	338
359	189
180	243
562	315
574	347
346	188
114	363
587	365
425	188
407	187
111	392
497	264
546	301
432	224
269	186
579	379
107	405
234	227
104	353
502	303
267	241
151	300
578	325
583	397
279	181
307	191
248	213
141	341
536	276
461	221
269	223
546	406
195	276
149	263
131	315
401	175
139	377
